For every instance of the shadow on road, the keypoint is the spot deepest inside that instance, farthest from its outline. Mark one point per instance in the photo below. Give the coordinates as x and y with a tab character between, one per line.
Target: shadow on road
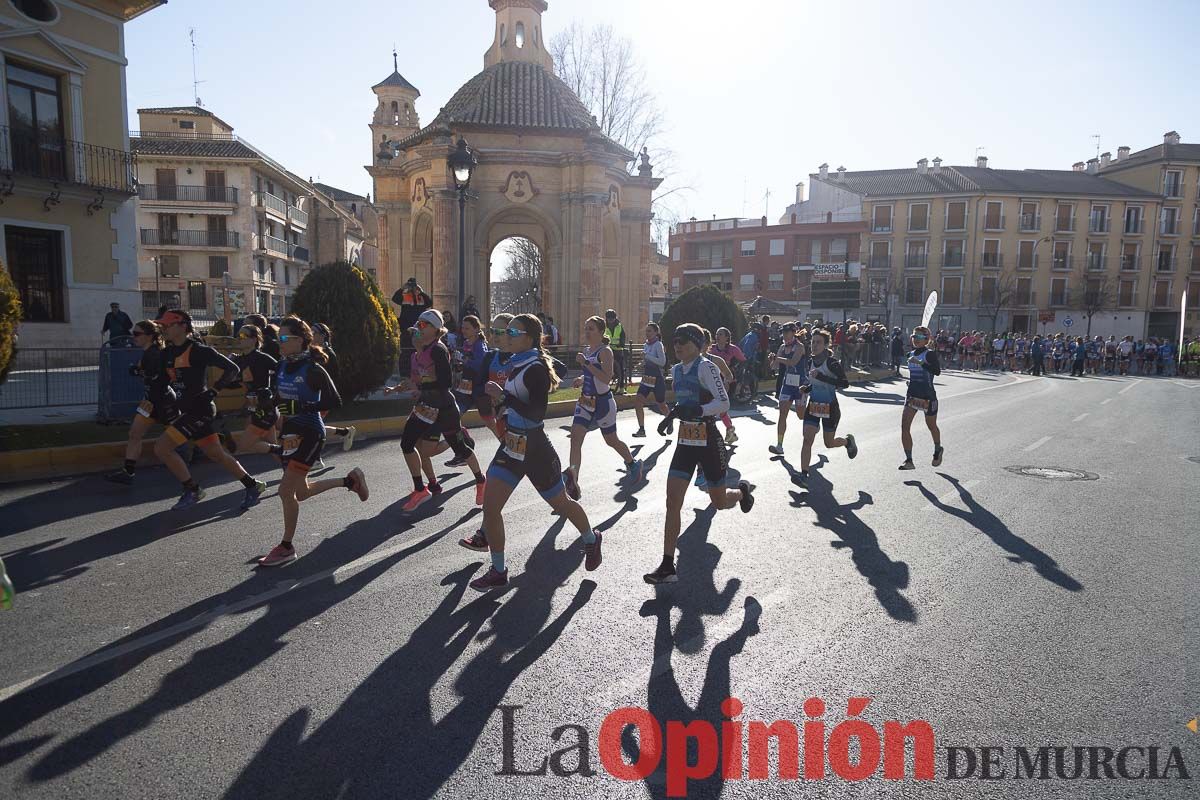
988	523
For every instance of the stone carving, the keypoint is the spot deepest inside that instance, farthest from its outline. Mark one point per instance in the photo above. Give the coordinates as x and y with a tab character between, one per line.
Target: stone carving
614	198
519	187
420	193
645	169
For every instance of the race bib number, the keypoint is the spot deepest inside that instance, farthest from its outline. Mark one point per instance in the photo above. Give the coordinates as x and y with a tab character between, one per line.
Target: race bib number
426	414
252	401
145	408
588	403
466	386
791	379
819	410
290	444
514	445
649	381
918	403
693	434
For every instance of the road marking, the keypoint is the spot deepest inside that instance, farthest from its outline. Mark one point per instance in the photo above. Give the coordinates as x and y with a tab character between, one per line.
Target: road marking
1106	401
1038	444
1130	386
1080	417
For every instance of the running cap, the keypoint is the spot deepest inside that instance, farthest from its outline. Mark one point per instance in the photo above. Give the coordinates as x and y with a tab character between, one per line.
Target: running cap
431	316
174	316
691	332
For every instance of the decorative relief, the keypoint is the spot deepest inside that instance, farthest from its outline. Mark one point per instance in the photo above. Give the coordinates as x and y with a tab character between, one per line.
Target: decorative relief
519	187
420	193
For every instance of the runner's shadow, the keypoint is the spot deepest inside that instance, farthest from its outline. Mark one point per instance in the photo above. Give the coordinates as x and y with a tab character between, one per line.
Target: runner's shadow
886	577
989	524
696	594
875	397
665	699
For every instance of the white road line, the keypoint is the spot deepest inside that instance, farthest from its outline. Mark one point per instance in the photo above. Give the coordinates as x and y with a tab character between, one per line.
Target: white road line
1106	401
1038	444
1130	386
1080	417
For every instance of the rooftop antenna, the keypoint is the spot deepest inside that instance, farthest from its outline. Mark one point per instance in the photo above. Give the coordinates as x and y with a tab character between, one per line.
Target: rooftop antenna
195	81
395	59
979	150
744	188
1096	136
767	201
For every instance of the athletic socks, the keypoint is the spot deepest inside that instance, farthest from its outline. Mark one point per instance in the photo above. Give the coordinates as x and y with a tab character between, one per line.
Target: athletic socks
347	482
726	421
130	466
589	537
479	478
908	455
418	483
191	485
498	560
247	481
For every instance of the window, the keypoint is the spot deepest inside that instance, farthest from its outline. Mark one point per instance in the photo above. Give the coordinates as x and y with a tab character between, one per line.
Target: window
519	35
1173	183
1196	223
988	291
262	269
991	253
1195	259
674	285
1193	292
217	235
1025	255
164	180
272	271
1030	219
881	254
1126	296
716	254
952	291
1024	293
674	253
218	266
1133	219
877	291
748	247
187	125
953	253
168	229
918	216
214	185
775	282
1170	221
914	290
168	266
37	10
35	120
262	302
838	249
1058	291
956	215
777	247
1095	256
197	296
815	250
993	218
36	266
287	275
1166	258
1162	293
1098	221
916	254
746	281
1129	255
881	220
1064	217
1061	256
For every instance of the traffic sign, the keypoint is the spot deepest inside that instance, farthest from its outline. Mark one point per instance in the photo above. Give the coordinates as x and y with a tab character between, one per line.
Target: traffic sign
1068	322
836	294
1045	316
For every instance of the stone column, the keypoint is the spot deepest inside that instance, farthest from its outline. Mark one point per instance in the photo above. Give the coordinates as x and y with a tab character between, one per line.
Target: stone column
589	262
445	264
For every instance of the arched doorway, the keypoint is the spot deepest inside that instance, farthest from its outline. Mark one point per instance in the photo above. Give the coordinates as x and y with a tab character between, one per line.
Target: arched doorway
516	269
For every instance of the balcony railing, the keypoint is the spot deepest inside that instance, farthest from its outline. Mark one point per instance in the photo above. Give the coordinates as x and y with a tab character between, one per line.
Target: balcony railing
954	261
1165	264
992	260
1096	225
918	227
297	216
1062	263
188	194
1169	228
1096	263
1064	225
1031	222
916	261
154	237
1135	226
272	244
956	224
54	158
268	200
1027	262
881	227
880	262
994	223
1058	300
221	137
1173	189
1130	263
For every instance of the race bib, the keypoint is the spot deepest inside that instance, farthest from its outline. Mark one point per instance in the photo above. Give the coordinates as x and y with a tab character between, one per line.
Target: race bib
649	381
588	403
514	445
792	379
918	403
426	414
290	443
466	386
145	408
252	401
693	434
819	410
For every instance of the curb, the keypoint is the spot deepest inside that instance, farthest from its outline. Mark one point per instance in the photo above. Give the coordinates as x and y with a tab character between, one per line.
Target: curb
60	462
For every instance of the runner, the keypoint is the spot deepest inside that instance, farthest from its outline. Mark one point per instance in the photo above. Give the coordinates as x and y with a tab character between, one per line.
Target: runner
1124	353
923	366
654	360
791	361
158	406
497	370
733	355
258	381
726	378
186	362
966	349
525	452
824	378
303	391
699	399
1078	357
998	347
1095	352
1019	360
596	407
474	355
1110	355
434	415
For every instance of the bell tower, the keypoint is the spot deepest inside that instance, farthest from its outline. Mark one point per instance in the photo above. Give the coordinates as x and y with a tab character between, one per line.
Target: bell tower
396	114
519	34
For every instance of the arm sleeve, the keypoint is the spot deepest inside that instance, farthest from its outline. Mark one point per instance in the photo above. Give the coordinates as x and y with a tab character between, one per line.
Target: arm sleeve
710	379
230	371
657	354
319	380
932	363
537	381
441	367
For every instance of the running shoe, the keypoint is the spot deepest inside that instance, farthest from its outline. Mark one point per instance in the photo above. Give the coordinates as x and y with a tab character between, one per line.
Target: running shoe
358	484
572	485
189	498
435	488
731	436
908	465
480	488
320	465
592	557
120	476
458	461
6	588
417	499
253	494
477	542
937	455
664	574
492	579
851	445
747	501
640	433
777	449
278	556
635	470
348	441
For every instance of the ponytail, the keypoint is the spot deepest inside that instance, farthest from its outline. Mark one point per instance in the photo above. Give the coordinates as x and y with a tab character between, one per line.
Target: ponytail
533	327
298	327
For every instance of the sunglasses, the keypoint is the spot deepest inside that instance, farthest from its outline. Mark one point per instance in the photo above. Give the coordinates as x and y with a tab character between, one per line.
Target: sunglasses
284	337
513	333
244	336
920	337
422	324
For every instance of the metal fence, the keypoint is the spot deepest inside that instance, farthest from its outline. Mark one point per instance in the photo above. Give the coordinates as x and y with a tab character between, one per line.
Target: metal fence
52	377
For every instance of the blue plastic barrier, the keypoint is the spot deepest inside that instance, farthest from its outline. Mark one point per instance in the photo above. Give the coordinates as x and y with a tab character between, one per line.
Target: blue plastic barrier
119	392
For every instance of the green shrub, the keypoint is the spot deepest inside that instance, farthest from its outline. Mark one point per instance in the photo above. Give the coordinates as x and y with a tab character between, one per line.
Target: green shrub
10	317
708	307
366	333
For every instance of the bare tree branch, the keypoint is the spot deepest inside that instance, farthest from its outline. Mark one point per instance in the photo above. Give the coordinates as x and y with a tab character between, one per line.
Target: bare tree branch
1093	296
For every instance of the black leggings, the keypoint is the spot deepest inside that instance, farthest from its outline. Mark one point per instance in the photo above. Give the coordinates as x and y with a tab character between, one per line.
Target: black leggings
448	425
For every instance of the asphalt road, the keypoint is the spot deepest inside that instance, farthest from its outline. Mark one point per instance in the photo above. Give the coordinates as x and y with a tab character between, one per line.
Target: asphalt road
146	657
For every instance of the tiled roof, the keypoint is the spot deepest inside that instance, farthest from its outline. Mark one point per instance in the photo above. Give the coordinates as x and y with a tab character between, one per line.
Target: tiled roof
900	181
1047	181
340	195
195	148
1159	152
397	80
185	111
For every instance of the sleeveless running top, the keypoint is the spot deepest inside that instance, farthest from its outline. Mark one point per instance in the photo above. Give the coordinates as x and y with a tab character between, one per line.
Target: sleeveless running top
294	386
820	391
515	385
688	389
589	381
919	378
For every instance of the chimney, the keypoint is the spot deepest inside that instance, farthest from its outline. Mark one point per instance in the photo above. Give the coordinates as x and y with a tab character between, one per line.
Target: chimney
922	166
1093	165
1077	166
1171	137
1105	158
841	173
823	170
937	166
799	192
981	162
1122	152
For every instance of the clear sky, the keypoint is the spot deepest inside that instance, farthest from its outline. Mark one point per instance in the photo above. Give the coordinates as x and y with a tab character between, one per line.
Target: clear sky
757	93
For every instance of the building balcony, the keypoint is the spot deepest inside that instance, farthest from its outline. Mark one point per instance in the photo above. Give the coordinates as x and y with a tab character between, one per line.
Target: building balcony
995	223
918	227
271	244
1062	263
1163	264
272	204
1098	225
1064	225
1027	263
1169	228
991	260
1031	222
879	262
152	237
912	261
297	217
1096	263
881	227
957	261
1135	227
30	154
170	193
1130	263
1173	190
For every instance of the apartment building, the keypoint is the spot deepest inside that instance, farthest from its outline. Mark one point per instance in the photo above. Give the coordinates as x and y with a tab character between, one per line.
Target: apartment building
66	171
211	204
1170	170
1001	247
350	221
749	258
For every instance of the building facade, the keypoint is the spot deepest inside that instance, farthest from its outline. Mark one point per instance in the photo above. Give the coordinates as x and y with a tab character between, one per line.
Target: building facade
210	205
66	171
352	219
749	259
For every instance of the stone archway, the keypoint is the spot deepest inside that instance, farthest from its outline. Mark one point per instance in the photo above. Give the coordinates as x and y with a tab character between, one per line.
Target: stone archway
525	221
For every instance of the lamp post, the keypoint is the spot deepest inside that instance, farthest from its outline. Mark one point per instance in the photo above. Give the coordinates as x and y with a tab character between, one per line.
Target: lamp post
462	163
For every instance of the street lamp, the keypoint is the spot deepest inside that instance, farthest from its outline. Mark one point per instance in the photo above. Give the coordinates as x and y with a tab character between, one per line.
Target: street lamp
462	163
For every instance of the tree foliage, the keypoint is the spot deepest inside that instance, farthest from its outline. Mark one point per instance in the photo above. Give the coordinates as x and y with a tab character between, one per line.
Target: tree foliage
10	317
708	307
366	333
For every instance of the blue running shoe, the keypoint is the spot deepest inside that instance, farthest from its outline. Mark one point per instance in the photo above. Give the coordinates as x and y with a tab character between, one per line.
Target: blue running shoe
635	470
189	498
253	493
